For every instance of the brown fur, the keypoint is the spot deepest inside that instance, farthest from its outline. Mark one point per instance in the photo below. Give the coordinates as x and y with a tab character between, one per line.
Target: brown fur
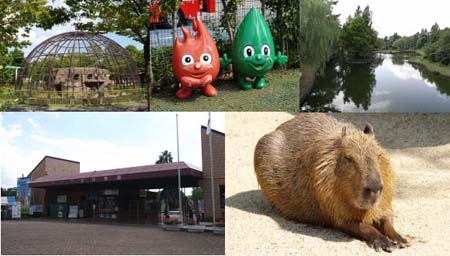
311	169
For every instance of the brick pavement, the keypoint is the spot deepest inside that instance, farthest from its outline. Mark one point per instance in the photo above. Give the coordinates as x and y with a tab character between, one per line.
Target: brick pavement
59	237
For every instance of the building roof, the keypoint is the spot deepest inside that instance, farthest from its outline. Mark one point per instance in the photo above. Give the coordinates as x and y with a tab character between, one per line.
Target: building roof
216	131
45	157
120	174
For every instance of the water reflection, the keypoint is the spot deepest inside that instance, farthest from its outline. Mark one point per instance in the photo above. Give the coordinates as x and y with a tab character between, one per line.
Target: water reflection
391	84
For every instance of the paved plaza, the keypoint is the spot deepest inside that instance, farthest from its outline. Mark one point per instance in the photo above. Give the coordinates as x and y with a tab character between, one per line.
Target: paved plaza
61	237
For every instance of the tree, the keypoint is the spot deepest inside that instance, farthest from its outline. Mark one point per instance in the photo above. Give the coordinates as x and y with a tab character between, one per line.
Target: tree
402	44
137	54
392	39
434	33
358	38
367	15
14	57
197	193
443	48
287	18
319	32
228	19
126	18
422	39
165	157
9	191
17	18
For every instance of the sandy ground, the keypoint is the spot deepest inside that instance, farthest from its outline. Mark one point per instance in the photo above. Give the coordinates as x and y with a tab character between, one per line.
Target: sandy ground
419	146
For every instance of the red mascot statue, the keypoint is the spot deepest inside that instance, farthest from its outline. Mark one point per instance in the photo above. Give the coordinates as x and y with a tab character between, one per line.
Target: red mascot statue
195	61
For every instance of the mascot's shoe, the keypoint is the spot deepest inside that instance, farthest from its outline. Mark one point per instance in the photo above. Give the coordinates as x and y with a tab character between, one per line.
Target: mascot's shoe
209	91
184	93
260	83
245	85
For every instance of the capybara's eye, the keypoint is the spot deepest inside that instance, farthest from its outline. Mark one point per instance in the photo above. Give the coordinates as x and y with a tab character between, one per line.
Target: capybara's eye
349	158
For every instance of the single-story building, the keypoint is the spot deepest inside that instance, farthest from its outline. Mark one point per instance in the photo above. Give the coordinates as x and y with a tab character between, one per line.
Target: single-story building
142	194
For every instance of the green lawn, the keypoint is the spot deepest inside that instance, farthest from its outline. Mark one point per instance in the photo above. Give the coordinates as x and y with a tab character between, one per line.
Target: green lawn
280	94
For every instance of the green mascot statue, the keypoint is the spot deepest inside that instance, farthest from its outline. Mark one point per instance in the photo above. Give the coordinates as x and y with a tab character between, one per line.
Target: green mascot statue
253	53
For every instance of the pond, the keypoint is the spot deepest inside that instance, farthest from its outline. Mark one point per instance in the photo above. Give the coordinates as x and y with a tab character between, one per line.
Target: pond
390	84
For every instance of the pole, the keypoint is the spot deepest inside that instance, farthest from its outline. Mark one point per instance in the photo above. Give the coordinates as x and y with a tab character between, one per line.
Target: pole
16	75
212	173
179	176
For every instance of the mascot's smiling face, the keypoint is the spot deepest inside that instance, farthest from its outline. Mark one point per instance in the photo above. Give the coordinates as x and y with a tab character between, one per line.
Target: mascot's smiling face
196	56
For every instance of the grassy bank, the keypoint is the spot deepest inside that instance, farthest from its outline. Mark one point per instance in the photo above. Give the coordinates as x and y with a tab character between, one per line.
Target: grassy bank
431	66
397	51
280	94
420	59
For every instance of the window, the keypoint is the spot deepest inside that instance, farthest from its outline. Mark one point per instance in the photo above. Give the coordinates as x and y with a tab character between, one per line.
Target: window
222	196
76	76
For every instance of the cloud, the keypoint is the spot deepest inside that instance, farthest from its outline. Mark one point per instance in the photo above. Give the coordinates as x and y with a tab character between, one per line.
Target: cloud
33	123
12	159
22	146
38	35
96	154
388	19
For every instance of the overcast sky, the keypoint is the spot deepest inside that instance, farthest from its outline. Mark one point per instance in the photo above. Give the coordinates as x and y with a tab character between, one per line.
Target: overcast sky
98	141
405	17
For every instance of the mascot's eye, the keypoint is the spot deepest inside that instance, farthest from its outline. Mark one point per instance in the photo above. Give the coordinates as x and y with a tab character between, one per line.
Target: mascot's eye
265	50
206	58
187	60
248	51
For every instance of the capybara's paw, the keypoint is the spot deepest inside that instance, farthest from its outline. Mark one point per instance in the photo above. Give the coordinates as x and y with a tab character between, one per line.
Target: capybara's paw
382	243
400	241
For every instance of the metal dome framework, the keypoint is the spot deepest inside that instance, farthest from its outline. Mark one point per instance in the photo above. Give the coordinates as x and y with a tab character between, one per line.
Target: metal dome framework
78	61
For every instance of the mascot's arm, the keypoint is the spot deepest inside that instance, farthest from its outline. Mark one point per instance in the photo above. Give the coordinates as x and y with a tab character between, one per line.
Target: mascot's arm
225	61
281	59
194	82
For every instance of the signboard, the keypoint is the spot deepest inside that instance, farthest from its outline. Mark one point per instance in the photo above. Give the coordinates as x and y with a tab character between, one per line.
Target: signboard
61	199
23	194
37	208
16	211
110	192
73	212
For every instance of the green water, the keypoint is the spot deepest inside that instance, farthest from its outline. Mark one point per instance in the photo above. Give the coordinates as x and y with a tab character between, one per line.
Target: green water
391	84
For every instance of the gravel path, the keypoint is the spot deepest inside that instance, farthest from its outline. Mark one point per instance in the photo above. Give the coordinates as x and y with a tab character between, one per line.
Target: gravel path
58	237
419	146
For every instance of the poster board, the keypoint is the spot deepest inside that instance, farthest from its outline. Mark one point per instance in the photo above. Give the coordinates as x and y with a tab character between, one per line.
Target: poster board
61	199
23	194
16	211
73	212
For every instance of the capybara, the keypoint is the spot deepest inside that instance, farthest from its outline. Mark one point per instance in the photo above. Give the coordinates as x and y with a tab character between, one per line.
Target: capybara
317	170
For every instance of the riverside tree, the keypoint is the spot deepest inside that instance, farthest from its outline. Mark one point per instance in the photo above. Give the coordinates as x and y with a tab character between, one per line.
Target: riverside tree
319	32
358	39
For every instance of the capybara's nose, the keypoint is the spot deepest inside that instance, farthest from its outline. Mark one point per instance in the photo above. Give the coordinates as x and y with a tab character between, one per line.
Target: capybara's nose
373	188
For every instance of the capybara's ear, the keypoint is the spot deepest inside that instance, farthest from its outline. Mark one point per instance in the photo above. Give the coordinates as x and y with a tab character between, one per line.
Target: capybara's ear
368	129
344	131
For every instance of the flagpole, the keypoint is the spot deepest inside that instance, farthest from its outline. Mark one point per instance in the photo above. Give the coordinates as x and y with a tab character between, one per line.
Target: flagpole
179	177
211	169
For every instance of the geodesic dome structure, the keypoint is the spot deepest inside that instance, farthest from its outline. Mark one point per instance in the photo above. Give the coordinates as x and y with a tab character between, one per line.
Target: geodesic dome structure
78	61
